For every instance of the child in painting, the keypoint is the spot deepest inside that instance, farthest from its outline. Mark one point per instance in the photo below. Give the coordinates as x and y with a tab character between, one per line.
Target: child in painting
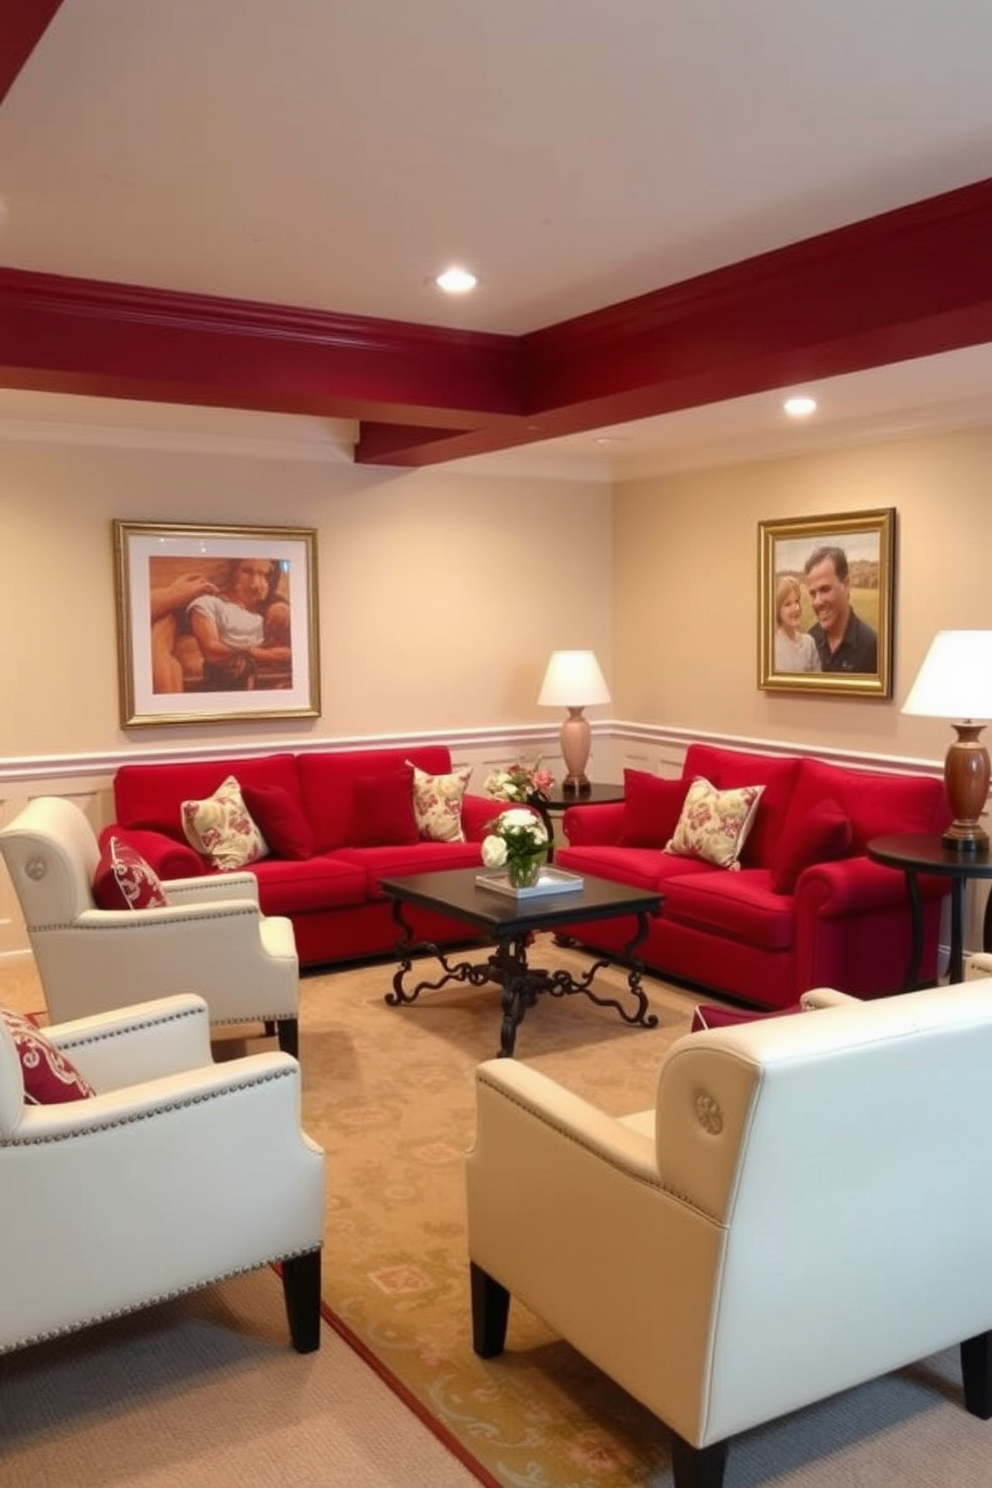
795	651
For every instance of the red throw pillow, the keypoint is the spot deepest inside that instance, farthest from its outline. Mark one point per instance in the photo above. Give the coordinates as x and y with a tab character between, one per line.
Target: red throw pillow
382	814
708	1015
818	836
49	1077
651	808
123	879
280	820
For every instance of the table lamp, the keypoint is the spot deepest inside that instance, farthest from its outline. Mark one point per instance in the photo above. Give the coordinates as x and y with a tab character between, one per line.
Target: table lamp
955	682
574	681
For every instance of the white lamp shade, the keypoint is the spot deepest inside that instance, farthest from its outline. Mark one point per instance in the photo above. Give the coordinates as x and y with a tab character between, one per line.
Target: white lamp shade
573	680
955	680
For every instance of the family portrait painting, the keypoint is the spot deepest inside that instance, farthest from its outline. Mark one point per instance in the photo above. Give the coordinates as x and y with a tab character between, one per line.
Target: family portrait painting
826	603
215	622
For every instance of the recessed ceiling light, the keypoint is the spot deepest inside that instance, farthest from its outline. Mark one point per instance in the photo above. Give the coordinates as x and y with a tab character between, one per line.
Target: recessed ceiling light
799	407
456	281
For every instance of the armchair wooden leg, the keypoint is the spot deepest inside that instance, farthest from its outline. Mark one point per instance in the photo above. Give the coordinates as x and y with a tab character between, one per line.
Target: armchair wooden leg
490	1313
301	1289
288	1030
976	1372
698	1467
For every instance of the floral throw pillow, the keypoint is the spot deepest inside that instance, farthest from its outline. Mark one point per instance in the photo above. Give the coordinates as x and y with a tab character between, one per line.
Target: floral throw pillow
714	824
222	830
49	1077
437	803
123	880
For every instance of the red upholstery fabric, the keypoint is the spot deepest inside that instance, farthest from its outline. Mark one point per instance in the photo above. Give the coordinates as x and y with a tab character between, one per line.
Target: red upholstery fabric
151	796
707	1015
327	784
651	808
729	769
875	804
382	810
49	1077
821	837
749	912
276	812
123	880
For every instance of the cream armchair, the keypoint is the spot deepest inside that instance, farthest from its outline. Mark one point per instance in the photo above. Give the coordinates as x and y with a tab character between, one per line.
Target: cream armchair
178	1173
805	1207
211	938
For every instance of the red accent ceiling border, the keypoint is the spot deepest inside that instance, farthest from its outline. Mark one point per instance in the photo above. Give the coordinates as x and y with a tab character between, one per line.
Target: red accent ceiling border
907	283
24	23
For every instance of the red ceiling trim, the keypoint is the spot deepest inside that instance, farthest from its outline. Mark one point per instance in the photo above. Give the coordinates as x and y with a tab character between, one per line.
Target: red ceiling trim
24	24
907	283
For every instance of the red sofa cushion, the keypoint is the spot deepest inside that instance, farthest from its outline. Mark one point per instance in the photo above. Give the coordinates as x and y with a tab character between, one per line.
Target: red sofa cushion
651	808
737	907
151	796
876	804
277	814
729	769
819	837
382	812
327	784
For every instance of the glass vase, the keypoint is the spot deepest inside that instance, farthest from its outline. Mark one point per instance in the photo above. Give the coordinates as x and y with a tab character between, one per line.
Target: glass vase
523	873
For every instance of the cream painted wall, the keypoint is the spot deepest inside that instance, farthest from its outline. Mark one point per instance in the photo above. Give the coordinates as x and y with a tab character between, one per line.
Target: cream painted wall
685	587
441	594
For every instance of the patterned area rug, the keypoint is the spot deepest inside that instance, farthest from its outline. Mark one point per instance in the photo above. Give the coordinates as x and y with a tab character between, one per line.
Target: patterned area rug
389	1093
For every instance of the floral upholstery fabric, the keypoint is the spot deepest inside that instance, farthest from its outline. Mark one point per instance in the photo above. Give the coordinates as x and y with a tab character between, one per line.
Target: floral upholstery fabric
714	824
222	830
437	803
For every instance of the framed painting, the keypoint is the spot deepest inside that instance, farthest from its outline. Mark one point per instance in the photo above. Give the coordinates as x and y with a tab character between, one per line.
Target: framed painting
825	603
215	623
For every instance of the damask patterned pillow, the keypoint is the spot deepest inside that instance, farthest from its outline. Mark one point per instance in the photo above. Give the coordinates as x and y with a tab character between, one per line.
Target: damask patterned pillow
714	824
49	1077
222	830
437	803
123	880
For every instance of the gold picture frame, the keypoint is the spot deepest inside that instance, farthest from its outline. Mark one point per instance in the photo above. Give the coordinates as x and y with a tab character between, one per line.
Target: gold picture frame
215	624
840	567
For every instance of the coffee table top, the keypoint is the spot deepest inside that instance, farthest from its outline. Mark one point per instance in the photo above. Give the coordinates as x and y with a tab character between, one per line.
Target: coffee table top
455	892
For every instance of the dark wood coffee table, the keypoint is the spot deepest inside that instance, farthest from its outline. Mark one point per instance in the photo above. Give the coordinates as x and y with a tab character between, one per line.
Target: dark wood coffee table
506	924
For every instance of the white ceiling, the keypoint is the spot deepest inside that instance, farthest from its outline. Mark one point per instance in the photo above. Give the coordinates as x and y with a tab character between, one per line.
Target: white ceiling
336	153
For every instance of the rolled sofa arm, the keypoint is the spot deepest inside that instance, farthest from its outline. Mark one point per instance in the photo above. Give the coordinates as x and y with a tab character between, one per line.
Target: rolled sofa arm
857	886
593	826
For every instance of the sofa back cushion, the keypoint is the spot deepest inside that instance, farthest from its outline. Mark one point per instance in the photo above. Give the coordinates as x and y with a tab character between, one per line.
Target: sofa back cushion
651	808
876	804
730	769
328	784
152	796
820	835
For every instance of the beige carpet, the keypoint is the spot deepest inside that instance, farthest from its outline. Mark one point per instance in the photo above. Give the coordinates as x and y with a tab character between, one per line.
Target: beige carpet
207	1391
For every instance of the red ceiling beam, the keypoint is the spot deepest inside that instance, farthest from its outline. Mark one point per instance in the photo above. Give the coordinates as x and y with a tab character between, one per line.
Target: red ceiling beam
23	25
123	341
907	283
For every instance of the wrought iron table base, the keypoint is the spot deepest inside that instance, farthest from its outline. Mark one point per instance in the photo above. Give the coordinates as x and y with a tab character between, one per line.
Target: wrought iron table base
522	984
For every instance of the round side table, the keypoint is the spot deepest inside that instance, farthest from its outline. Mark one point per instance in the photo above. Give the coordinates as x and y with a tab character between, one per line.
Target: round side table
927	854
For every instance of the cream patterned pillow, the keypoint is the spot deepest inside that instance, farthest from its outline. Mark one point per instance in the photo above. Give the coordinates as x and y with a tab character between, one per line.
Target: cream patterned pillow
714	824
222	830
437	803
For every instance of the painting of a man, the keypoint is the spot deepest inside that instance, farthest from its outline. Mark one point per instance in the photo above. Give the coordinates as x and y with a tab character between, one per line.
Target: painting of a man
844	642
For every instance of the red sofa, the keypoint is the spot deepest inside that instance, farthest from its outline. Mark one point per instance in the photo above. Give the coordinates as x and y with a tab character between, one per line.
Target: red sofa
785	921
331	893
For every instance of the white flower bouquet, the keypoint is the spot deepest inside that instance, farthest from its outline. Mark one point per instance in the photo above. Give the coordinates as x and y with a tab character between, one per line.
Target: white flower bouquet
516	840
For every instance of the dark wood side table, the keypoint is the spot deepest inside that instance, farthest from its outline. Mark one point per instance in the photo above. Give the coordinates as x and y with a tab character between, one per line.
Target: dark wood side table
927	854
555	800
